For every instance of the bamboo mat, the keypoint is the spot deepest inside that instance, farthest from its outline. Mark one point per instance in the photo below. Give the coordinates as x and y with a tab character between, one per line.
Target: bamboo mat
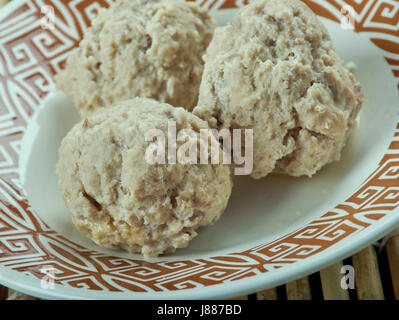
376	271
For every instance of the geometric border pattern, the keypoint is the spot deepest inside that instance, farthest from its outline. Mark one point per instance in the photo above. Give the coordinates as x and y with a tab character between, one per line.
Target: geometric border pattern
29	58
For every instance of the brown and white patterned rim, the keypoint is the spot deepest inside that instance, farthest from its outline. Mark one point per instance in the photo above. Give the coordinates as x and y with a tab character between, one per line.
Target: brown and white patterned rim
30	56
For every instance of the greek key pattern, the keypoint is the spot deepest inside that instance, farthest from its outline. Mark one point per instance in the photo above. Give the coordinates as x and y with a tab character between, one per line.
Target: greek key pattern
30	56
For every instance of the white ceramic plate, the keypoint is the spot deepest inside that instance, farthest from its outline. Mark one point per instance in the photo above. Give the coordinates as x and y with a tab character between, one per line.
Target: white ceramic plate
274	230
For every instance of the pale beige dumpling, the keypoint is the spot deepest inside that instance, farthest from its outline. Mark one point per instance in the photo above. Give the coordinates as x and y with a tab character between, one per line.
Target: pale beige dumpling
117	197
139	48
274	69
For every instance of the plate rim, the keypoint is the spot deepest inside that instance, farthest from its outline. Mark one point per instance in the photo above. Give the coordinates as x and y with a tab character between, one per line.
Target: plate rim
248	286
238	286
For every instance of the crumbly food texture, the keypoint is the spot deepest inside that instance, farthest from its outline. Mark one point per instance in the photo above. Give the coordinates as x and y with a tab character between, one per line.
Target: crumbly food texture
139	48
117	198
274	69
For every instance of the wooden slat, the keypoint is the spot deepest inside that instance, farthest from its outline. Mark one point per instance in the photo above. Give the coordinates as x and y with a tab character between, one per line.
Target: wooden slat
14	295
240	298
392	248
367	275
299	290
331	283
3	292
270	294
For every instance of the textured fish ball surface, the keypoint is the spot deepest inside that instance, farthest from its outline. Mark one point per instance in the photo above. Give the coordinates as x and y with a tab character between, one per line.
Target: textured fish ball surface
141	48
117	198
274	68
